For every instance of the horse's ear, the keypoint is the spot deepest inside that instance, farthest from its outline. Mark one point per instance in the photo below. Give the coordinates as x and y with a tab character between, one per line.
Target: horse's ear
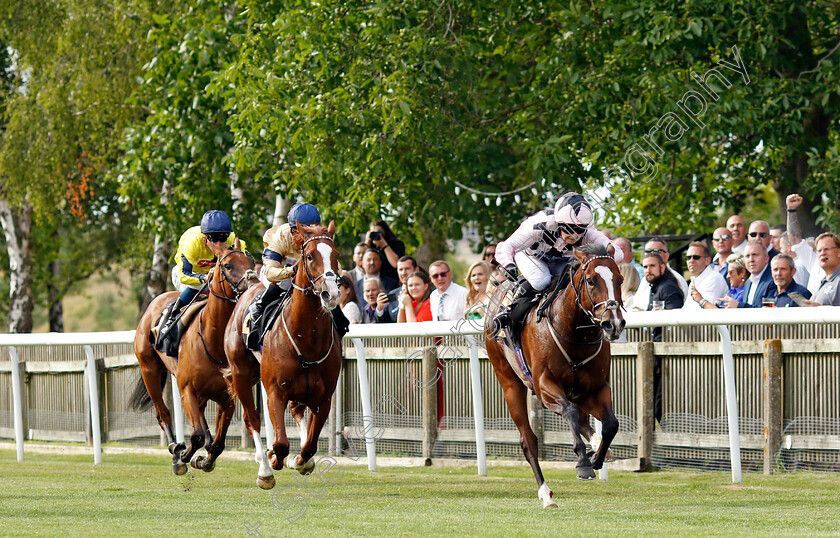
331	228
611	251
236	244
581	256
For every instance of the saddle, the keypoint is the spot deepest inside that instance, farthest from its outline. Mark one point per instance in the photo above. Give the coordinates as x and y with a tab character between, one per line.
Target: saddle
173	339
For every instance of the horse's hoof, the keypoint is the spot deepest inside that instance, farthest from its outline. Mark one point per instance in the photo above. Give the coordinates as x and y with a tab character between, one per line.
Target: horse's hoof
265	482
585	473
275	462
208	466
176	447
546	496
306	468
197	462
179	468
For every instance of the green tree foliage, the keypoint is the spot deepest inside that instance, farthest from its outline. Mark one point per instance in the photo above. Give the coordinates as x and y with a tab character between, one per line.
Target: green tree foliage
74	68
175	163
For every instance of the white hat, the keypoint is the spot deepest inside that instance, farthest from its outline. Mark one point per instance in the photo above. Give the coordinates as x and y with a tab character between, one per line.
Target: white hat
572	208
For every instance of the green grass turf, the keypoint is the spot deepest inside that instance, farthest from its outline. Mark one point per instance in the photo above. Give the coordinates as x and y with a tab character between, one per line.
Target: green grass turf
136	495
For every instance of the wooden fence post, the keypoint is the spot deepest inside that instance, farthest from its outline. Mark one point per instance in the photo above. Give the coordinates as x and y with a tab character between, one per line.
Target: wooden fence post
644	402
429	402
772	401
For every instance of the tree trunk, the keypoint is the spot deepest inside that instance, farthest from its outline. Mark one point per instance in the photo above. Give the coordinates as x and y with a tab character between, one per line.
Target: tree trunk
17	227
54	298
282	205
155	282
432	248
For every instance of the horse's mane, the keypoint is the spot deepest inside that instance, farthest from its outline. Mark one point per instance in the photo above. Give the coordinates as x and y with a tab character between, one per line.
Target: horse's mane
308	230
593	249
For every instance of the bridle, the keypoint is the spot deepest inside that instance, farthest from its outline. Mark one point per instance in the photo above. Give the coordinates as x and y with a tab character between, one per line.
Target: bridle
224	278
310	288
580	290
233	286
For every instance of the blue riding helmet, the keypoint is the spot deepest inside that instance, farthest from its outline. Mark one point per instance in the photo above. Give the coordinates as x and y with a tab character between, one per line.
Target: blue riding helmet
304	213
215	221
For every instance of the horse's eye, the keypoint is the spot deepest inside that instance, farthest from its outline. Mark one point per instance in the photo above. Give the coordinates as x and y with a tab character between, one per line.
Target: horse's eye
590	281
227	267
309	257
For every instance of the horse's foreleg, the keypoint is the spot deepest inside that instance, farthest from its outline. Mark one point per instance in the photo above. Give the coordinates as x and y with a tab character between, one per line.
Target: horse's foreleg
192	409
310	432
217	446
600	406
556	401
277	410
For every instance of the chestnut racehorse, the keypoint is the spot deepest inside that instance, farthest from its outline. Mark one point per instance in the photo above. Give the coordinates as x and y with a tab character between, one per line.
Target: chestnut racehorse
568	359
300	358
201	357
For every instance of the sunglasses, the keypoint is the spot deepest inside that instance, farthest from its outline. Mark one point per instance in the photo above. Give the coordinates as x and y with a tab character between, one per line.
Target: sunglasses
654	250
439	275
723	237
694	257
217	237
758	234
489	254
573	229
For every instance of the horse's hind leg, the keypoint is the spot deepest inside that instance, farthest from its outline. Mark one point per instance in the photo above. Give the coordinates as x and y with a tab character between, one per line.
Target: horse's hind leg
515	396
304	463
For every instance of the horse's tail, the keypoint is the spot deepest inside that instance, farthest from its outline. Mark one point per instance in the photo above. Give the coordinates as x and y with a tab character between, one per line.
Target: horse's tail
140	399
227	375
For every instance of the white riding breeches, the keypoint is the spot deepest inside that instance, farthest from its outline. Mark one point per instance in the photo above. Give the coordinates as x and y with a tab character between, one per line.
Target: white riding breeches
537	271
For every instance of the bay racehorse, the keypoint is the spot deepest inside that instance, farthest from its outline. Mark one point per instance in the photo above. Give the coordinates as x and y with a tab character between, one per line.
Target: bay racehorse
566	360
200	360
300	358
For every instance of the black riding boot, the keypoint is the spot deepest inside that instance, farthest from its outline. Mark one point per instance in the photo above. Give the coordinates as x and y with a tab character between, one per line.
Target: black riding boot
523	293
271	293
342	324
171	318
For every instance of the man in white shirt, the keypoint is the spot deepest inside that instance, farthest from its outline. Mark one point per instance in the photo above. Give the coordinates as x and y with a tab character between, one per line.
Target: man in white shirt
642	297
449	300
738	228
707	285
804	253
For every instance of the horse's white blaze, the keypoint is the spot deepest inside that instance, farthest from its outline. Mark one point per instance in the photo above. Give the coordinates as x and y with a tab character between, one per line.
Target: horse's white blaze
607	275
326	255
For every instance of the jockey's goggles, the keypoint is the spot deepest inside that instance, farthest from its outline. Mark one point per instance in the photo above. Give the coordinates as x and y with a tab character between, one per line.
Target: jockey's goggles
573	229
219	237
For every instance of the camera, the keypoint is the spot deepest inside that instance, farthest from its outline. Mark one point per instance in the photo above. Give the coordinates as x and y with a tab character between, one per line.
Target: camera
375	235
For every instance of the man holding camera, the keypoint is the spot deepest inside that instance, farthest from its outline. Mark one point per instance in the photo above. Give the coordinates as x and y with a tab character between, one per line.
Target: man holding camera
372	264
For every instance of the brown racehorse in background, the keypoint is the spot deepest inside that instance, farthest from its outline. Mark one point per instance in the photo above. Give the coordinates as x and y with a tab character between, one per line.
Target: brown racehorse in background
300	359
201	357
568	359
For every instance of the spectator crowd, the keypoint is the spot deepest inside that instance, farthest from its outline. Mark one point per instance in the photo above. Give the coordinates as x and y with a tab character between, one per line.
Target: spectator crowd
745	266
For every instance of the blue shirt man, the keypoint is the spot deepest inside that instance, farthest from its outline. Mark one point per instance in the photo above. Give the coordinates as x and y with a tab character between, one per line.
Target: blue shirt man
783	268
